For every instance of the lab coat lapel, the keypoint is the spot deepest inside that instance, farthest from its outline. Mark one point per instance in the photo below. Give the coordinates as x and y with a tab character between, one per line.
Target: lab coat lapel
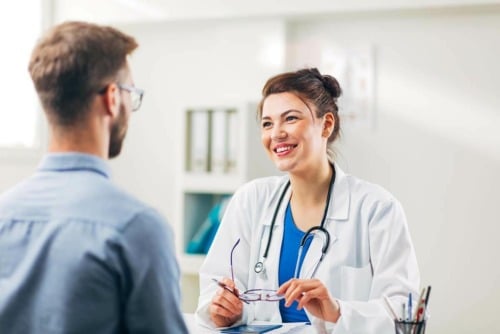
314	253
338	210
270	280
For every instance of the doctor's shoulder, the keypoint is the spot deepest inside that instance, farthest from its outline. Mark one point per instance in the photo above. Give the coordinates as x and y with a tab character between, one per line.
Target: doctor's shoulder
371	195
261	189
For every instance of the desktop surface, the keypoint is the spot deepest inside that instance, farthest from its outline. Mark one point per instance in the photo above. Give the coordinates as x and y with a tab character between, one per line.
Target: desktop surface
295	328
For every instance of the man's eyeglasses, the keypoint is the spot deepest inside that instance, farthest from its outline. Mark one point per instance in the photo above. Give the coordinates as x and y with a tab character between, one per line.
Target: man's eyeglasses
136	95
252	295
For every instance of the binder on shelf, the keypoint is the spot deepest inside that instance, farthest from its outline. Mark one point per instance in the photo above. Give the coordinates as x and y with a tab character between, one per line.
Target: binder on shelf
198	140
232	131
219	141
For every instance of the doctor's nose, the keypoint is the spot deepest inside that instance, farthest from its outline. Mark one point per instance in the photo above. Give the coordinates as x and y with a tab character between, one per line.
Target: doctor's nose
278	133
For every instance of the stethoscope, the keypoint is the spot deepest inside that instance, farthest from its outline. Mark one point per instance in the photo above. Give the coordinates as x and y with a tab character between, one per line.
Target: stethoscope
260	265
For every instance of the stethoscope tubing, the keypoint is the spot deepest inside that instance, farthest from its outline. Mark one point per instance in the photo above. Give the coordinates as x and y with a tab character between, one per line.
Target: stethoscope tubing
259	266
280	200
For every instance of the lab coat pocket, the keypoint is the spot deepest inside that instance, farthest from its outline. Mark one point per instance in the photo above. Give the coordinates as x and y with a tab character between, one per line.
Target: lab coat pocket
356	283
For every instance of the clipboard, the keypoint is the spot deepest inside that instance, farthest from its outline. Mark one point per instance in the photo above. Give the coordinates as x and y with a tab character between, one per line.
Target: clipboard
250	329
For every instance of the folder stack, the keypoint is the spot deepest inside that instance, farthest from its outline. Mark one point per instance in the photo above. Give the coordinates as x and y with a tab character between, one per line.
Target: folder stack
212	139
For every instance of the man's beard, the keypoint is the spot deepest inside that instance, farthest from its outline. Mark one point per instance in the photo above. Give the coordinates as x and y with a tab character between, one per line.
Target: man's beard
118	131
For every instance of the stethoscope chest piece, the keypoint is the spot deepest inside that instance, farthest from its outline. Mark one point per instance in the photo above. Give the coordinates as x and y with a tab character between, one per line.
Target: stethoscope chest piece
260	270
259	267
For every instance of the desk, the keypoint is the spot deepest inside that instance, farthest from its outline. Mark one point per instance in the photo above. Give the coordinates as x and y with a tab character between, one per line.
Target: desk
288	328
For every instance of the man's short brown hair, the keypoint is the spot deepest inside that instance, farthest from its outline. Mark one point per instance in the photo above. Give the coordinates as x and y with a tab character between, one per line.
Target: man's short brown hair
72	62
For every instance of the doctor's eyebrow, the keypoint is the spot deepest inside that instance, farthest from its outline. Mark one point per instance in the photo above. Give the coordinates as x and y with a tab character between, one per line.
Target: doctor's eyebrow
284	114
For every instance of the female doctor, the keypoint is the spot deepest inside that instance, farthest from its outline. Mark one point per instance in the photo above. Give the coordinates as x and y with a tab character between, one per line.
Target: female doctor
315	245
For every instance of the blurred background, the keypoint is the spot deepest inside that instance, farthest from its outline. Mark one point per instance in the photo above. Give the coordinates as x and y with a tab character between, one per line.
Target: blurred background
421	113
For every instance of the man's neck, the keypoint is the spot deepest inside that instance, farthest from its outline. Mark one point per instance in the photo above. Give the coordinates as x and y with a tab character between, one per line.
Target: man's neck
75	139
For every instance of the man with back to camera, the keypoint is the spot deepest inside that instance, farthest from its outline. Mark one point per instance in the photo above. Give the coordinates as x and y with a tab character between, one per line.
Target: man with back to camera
77	254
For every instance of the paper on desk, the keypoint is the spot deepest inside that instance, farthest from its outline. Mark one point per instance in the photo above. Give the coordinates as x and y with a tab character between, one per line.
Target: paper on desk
289	327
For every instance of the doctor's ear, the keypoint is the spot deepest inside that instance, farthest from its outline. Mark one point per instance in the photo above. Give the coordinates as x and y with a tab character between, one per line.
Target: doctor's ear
328	124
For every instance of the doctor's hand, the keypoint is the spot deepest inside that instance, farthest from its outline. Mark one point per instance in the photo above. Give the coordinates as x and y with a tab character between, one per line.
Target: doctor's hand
226	308
313	295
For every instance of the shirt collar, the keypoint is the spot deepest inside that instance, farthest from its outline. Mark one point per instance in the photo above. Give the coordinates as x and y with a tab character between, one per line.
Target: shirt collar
74	161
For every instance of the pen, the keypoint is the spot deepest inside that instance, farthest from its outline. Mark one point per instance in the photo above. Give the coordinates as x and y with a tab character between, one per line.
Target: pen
421	311
421	300
409	306
388	303
225	287
427	296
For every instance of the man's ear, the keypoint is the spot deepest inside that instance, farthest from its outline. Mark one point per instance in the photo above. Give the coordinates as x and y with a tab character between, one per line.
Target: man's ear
328	124
111	99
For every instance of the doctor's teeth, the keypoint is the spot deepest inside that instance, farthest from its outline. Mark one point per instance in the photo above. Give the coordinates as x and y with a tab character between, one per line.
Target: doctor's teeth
283	148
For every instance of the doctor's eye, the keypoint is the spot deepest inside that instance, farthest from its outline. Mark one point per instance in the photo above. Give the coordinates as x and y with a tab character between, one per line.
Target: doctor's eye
266	124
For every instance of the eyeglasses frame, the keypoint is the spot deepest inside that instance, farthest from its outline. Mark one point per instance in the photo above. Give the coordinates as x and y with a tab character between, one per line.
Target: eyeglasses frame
251	295
131	89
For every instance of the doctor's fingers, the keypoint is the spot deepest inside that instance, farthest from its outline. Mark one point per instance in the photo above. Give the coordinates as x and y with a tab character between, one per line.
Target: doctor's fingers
228	282
295	283
227	303
318	294
295	289
284	287
222	317
320	304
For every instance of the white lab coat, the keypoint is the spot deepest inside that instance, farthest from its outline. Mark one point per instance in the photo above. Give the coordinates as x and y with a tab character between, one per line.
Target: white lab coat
370	253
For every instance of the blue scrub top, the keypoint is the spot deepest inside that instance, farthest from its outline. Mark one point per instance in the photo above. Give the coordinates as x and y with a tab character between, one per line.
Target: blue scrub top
289	252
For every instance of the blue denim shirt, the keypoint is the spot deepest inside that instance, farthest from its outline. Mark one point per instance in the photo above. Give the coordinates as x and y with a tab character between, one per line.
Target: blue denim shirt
79	255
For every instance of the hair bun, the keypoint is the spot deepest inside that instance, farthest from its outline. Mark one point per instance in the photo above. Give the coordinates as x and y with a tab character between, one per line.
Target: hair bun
331	85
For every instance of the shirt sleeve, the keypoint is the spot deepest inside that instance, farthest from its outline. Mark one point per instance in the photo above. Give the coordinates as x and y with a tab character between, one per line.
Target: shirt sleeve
152	299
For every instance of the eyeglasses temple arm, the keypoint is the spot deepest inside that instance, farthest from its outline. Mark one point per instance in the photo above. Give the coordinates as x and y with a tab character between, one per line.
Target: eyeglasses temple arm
231	258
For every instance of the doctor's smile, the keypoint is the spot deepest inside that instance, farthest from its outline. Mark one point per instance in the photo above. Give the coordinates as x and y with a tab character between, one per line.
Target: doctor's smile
282	150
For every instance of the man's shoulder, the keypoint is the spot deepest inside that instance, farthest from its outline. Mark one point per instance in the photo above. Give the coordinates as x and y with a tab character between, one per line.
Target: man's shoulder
88	198
118	207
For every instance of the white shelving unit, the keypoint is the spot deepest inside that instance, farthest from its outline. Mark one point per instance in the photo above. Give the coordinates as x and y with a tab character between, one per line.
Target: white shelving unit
199	191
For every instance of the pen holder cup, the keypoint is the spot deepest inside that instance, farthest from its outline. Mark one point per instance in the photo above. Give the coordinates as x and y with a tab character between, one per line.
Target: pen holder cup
410	327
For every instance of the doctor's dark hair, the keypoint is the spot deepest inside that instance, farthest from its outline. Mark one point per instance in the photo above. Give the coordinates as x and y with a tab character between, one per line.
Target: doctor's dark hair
74	61
311	87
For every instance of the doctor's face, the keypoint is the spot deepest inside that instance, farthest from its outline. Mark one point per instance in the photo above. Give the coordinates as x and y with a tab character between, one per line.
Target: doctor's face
292	135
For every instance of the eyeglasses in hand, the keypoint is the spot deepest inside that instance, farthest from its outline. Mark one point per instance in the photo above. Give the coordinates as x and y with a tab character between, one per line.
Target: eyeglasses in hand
252	295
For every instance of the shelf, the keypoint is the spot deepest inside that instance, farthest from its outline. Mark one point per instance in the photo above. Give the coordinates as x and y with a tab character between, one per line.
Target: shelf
211	183
203	185
191	263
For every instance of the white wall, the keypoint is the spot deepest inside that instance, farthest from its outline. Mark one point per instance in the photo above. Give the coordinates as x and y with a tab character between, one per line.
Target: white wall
436	145
163	10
